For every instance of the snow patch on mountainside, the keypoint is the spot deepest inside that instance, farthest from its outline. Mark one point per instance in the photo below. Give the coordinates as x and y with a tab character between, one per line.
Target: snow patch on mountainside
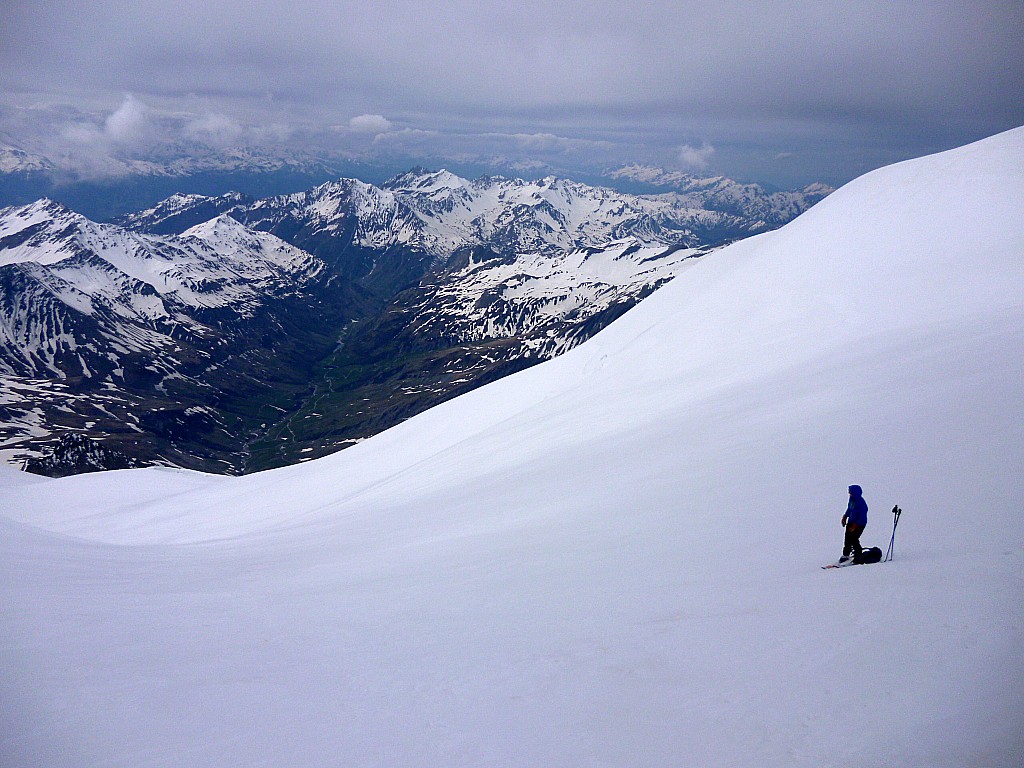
544	298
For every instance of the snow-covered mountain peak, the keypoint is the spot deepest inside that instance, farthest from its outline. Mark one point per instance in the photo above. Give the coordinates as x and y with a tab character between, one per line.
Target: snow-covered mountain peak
818	190
423	181
220	226
46	232
181	201
15	160
338	188
550	181
332	201
232	241
551	214
43	231
40	210
180	211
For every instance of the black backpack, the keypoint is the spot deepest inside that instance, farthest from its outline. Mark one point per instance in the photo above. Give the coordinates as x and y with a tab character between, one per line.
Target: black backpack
868	555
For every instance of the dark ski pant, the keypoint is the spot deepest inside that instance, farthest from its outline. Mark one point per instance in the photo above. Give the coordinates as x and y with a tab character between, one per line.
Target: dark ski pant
852	540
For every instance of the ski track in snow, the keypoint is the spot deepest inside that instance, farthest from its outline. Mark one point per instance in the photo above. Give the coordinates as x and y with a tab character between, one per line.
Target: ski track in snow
608	559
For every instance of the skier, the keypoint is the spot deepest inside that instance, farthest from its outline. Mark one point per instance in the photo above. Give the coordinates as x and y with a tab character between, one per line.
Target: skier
854	521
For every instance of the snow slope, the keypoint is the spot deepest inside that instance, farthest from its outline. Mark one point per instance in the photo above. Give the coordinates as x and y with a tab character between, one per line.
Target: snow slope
607	559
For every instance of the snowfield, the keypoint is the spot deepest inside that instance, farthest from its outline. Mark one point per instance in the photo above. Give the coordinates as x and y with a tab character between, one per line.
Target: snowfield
610	559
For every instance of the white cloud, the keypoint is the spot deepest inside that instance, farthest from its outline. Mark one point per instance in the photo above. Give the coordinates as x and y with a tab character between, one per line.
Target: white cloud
369	124
127	124
93	147
696	157
214	128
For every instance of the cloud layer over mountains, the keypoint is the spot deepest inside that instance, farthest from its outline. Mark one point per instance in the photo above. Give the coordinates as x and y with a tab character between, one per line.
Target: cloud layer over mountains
869	81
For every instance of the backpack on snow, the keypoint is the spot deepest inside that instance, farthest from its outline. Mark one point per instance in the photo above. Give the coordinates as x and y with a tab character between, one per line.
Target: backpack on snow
868	555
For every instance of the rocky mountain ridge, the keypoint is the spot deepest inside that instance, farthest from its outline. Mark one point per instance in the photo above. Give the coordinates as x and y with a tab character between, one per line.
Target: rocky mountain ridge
724	194
440	212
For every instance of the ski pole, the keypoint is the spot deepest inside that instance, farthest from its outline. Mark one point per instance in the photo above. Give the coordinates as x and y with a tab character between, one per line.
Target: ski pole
896	512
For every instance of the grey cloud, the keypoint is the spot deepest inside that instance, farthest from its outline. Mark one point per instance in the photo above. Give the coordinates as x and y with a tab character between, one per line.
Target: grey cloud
649	77
540	151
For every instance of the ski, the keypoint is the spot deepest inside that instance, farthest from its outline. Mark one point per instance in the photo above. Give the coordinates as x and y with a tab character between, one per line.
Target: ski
868	556
844	565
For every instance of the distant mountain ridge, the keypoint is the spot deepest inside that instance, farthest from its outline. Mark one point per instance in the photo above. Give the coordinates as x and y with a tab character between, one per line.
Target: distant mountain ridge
103	185
169	160
547	214
723	194
15	160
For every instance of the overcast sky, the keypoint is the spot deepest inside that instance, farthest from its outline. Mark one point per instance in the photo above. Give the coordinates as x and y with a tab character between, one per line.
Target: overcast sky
783	92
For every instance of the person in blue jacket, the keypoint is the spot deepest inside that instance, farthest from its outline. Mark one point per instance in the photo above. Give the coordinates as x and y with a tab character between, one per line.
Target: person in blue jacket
854	521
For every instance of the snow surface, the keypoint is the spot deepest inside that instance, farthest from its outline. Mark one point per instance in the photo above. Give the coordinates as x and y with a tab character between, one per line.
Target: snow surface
610	559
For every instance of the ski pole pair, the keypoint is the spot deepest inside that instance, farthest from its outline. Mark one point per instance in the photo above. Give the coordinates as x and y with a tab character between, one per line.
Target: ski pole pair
896	512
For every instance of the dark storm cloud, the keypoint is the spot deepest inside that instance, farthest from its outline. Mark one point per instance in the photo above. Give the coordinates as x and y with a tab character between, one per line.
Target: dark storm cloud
671	81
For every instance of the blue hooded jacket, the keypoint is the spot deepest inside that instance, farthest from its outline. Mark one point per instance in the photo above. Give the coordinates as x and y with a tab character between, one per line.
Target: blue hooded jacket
857	510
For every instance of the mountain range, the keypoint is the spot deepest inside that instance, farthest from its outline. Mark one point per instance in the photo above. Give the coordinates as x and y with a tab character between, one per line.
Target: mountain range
724	194
229	333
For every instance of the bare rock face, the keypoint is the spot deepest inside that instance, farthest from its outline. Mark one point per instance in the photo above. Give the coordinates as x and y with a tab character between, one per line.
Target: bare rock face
74	454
